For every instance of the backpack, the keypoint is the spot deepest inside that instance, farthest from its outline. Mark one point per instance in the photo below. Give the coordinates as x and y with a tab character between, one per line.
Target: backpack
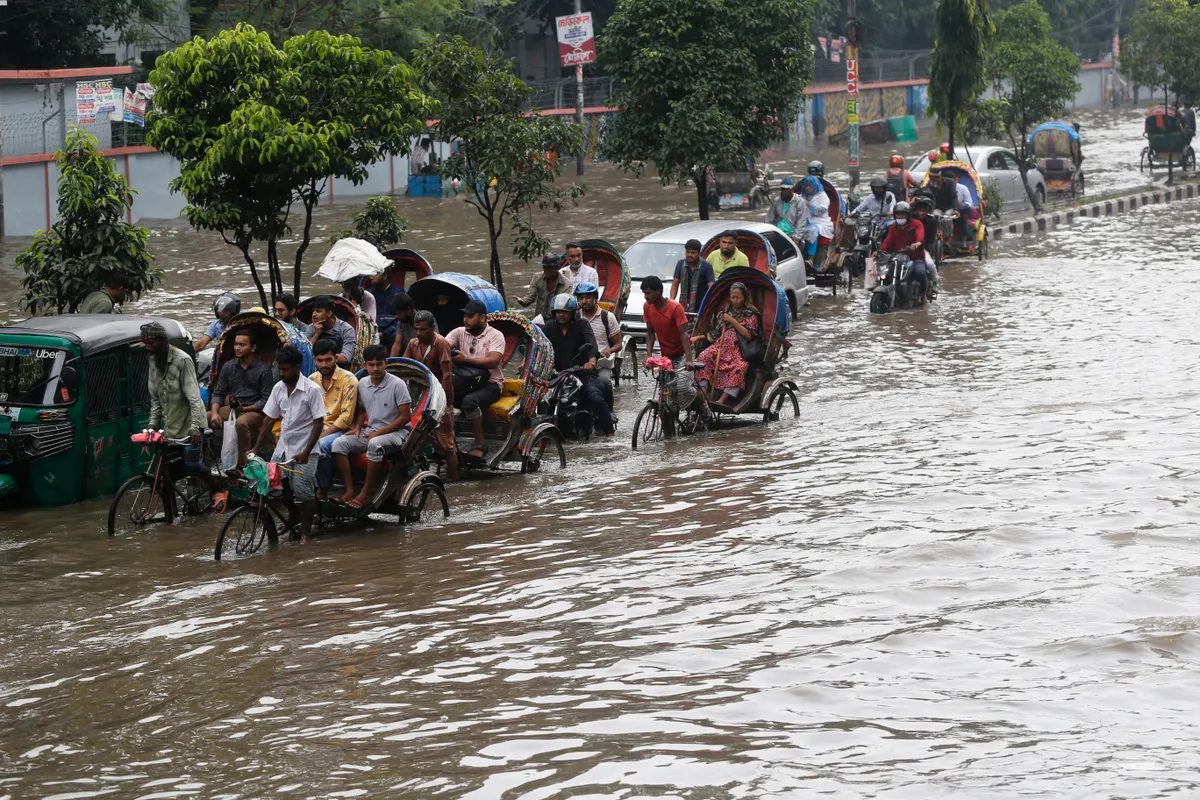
895	185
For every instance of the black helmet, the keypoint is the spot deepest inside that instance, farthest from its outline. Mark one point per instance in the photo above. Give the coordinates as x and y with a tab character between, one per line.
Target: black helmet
227	302
878	185
816	168
922	201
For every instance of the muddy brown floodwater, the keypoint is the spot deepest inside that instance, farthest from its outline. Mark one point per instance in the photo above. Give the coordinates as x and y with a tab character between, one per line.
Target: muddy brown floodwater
969	570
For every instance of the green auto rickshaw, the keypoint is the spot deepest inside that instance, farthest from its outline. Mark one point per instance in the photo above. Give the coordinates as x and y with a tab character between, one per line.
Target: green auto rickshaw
73	388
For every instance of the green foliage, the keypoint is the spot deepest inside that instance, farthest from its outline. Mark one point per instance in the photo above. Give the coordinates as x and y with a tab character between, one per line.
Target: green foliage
984	120
91	238
378	223
962	30
1162	49
702	82
993	200
507	159
259	130
48	35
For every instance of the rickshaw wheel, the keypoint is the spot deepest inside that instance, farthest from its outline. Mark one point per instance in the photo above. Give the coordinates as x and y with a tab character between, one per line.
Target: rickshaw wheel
245	531
136	504
542	453
982	250
647	428
781	406
426	501
1147	159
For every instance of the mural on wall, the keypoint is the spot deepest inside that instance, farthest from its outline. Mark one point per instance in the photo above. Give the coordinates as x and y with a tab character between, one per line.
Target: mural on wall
873	104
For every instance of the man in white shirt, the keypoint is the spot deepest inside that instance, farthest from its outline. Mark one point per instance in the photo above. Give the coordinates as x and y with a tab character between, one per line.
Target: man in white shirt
299	406
576	271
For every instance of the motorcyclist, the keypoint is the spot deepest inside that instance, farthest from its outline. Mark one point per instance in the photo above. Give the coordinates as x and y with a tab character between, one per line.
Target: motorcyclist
816	169
900	181
225	307
906	238
879	203
569	335
922	207
606	329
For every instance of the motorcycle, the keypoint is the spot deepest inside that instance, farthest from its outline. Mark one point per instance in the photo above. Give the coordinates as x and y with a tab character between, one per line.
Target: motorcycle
868	232
897	288
564	405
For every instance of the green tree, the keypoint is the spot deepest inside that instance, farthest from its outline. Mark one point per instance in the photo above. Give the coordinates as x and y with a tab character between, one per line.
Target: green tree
91	238
957	74
702	82
1162	51
36	34
1034	77
378	223
506	158
259	130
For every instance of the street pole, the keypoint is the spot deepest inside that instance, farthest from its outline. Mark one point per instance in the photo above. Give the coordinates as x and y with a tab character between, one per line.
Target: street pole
579	104
852	92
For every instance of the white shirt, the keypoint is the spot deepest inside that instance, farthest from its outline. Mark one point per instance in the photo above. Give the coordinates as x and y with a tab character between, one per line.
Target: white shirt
297	412
369	306
964	195
875	207
585	273
818	214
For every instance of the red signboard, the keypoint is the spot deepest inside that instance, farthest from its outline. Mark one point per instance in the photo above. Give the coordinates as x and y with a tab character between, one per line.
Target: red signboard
576	41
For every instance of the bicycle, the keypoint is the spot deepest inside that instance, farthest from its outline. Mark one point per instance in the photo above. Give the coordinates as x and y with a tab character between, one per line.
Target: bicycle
660	418
260	519
151	496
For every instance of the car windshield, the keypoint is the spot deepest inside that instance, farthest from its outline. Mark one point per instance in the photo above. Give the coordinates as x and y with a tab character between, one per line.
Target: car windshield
29	376
653	258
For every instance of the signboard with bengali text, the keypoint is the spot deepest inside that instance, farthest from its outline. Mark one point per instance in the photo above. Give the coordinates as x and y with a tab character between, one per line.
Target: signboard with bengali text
576	40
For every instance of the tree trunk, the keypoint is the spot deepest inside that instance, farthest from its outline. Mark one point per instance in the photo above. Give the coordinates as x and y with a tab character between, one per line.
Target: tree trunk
308	214
702	192
494	238
1023	166
1170	158
950	141
262	294
273	265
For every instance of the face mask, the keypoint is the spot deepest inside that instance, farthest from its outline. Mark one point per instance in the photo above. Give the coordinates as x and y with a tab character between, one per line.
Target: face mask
902	222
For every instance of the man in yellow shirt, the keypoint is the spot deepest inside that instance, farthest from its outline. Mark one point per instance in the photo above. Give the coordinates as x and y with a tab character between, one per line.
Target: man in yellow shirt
341	399
728	256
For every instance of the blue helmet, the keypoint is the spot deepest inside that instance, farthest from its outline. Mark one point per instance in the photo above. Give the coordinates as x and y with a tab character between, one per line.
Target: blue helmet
585	287
564	302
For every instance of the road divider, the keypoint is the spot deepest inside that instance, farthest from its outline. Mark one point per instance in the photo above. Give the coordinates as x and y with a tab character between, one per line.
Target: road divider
1099	208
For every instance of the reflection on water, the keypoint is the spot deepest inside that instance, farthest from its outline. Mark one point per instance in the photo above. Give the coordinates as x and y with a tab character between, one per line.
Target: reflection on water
968	571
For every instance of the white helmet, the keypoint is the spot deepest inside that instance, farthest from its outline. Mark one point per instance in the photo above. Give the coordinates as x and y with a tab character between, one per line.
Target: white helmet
564	302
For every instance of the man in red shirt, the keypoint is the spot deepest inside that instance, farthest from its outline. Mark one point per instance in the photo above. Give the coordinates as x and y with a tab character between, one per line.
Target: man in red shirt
666	323
907	237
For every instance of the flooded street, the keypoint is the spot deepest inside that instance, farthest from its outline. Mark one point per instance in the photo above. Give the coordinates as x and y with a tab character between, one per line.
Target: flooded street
969	570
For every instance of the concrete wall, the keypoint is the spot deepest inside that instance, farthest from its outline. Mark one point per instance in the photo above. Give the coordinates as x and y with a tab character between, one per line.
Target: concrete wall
32	118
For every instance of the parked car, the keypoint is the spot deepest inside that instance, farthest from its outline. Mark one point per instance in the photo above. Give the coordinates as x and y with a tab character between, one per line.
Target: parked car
658	253
994	165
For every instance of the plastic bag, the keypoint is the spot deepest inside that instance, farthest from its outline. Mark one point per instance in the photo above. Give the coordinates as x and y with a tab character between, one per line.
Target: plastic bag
872	275
229	443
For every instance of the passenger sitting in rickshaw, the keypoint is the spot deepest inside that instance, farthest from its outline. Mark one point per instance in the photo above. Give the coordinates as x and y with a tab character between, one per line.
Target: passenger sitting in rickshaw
728	255
787	212
573	343
723	366
818	227
477	350
380	423
950	195
430	348
325	324
241	389
339	388
907	238
576	271
606	329
298	405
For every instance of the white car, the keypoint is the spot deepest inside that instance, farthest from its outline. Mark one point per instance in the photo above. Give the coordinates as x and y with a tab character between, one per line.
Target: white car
658	253
994	165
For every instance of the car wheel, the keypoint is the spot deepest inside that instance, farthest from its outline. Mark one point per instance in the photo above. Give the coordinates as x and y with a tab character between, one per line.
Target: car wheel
1041	196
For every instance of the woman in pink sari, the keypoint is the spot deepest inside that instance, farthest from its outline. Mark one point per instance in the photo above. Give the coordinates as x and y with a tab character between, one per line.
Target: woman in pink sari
722	364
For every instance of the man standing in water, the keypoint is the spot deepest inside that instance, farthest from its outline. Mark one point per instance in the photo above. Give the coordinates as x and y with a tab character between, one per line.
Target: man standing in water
106	300
298	406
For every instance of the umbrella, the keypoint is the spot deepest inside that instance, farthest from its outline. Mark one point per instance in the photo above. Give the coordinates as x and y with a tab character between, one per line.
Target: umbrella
352	258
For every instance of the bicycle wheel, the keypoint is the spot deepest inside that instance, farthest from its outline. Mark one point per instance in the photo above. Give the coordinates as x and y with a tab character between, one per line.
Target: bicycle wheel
245	531
197	497
647	428
136	505
546	454
427	504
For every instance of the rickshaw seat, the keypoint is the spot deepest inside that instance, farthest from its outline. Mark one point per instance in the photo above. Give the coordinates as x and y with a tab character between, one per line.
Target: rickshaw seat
510	395
358	462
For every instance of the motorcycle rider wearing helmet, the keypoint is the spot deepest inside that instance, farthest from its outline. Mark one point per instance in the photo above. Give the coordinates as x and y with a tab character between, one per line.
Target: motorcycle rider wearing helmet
922	206
606	330
900	181
816	169
569	336
880	202
907	237
225	308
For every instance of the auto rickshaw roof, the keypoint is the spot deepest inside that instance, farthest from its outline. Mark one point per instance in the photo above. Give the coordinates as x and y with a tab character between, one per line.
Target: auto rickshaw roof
93	333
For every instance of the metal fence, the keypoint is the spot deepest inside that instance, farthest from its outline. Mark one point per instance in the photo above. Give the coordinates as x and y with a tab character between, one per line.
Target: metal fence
561	92
875	66
36	117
